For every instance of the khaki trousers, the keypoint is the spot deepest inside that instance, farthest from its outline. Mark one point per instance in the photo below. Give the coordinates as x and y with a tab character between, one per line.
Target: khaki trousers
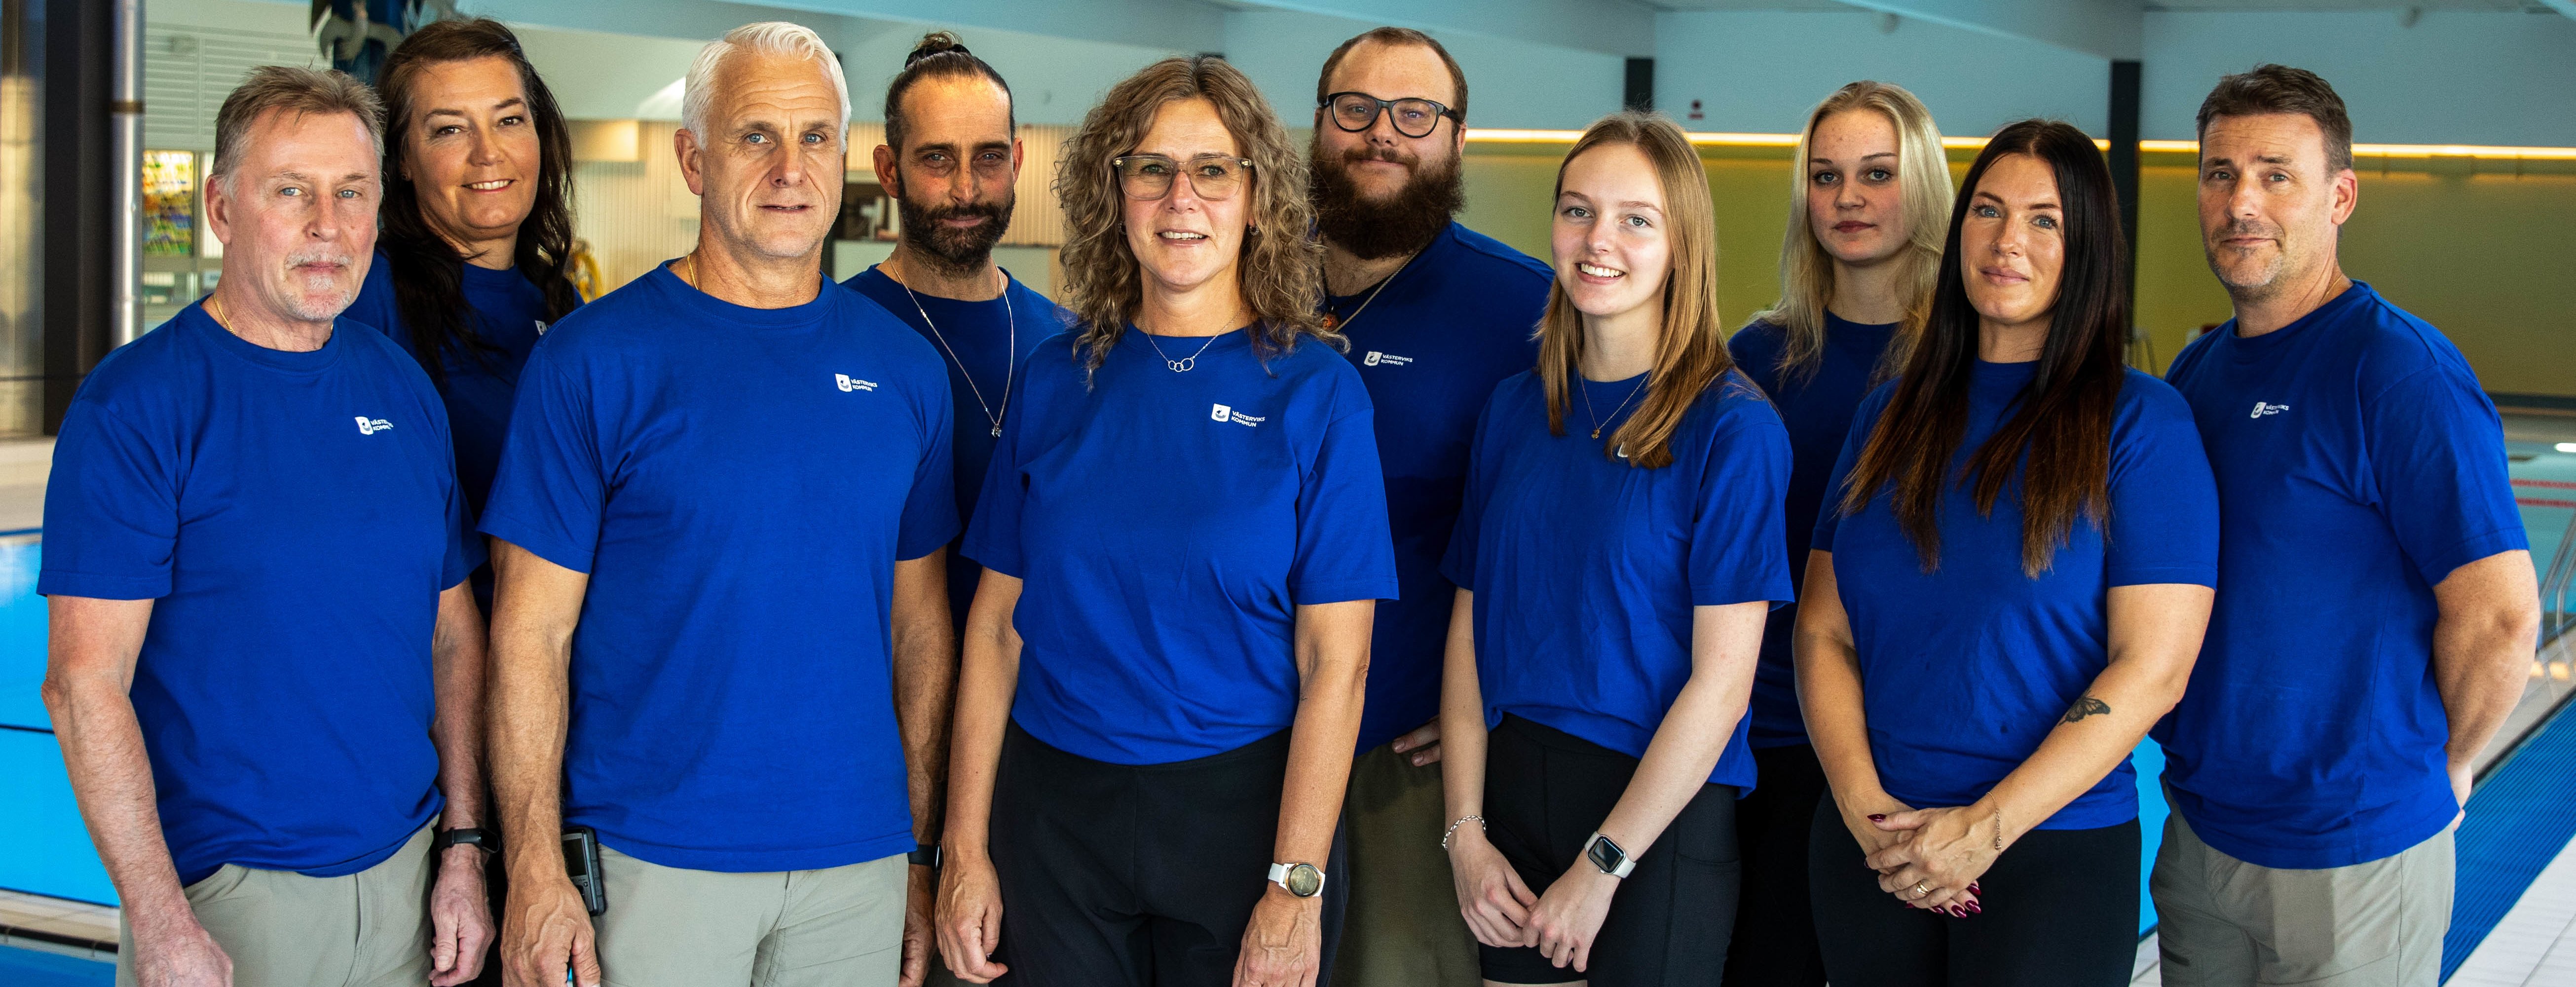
283	929
1402	928
669	927
2222	922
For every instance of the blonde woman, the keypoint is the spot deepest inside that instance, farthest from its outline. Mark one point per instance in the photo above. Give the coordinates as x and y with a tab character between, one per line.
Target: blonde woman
1184	535
1867	209
1618	547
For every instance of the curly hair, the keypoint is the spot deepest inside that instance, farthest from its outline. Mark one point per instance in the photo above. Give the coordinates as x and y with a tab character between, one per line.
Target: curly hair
1281	271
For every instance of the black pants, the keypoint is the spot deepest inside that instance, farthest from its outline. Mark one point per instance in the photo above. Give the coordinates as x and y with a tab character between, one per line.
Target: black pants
1546	791
2061	910
1775	930
1142	876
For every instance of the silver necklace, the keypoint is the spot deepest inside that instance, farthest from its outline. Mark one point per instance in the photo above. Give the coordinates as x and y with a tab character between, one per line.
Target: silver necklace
1009	356
1614	412
1335	322
1184	364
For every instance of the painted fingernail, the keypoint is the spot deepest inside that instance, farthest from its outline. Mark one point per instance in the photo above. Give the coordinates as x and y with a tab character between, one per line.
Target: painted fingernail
1973	888
1958	912
1880	817
1974	910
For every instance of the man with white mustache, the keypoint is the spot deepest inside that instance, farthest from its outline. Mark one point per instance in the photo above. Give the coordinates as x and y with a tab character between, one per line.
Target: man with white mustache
266	666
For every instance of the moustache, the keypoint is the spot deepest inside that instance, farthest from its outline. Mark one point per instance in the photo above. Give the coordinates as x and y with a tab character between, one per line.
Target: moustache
2243	227
301	258
1391	155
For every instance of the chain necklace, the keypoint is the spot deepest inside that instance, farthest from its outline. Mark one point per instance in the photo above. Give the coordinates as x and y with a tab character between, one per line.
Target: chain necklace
1008	319
1332	321
1184	364
1614	412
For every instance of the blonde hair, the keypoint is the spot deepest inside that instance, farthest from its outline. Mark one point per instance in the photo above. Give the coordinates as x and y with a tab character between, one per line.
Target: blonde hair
1281	270
1807	271
300	91
779	38
1691	353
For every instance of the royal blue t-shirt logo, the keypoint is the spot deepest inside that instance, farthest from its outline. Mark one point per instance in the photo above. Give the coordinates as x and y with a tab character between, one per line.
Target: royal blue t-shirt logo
849	383
1376	358
2261	409
371	426
1220	413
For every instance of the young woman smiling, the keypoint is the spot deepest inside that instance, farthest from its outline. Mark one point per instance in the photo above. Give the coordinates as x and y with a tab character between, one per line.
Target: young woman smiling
1866	214
2007	591
1619	545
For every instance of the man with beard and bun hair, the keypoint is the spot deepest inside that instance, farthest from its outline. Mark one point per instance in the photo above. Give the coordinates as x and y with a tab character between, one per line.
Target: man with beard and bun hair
950	159
1436	314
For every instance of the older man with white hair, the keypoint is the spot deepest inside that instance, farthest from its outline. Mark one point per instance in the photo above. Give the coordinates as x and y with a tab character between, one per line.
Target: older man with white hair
266	666
721	636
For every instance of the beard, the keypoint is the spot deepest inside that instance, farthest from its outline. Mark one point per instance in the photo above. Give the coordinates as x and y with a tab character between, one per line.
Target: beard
2245	277
1376	230
960	251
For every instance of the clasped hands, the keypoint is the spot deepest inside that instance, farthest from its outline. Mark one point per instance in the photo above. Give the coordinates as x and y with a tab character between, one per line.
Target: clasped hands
1931	858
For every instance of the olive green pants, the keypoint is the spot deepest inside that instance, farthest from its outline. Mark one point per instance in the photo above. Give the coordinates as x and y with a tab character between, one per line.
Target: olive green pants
283	929
1403	928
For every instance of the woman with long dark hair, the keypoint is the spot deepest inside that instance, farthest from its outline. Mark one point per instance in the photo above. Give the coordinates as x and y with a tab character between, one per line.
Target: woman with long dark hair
2007	589
473	259
1184	537
1618	546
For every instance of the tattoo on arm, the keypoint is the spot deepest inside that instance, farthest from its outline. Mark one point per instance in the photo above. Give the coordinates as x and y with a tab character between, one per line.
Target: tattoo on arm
2087	706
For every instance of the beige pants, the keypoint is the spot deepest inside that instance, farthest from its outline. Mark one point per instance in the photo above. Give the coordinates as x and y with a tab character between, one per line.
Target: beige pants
1403	927
669	927
283	929
2222	922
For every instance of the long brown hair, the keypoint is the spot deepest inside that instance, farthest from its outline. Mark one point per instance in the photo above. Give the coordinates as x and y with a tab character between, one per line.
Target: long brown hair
1690	354
2058	438
1282	268
428	272
1807	271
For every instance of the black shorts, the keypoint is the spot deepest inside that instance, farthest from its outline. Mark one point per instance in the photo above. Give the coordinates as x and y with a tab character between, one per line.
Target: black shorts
1118	875
1546	791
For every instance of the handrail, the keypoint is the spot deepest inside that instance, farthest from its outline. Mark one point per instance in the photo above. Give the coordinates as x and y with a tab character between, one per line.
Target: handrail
2555	619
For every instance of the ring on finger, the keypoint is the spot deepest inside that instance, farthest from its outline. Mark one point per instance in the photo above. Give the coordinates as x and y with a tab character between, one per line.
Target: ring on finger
1922	890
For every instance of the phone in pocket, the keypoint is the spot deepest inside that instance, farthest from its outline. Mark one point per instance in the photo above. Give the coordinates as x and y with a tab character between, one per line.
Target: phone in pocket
581	863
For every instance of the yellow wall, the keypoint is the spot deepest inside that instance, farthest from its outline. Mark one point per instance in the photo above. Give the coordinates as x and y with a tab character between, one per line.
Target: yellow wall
2485	250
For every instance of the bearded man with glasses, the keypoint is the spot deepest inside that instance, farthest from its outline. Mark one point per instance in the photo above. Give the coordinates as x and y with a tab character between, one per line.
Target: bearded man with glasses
1436	315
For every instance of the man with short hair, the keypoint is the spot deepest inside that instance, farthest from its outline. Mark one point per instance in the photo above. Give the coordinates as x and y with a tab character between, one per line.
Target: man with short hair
950	160
266	666
2376	605
1436	314
721	638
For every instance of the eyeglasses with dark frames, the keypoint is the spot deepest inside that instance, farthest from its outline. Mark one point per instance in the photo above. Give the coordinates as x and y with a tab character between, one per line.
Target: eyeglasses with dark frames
1355	112
1149	177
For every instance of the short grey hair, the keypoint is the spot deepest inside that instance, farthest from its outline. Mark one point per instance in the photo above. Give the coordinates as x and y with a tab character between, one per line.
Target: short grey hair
764	38
295	90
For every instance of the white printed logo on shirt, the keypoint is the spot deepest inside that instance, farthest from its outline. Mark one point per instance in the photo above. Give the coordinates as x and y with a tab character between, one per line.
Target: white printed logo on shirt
1377	359
1226	413
541	327
2261	409
849	383
371	426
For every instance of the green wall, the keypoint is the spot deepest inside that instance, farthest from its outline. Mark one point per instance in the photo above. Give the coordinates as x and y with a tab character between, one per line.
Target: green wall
2483	249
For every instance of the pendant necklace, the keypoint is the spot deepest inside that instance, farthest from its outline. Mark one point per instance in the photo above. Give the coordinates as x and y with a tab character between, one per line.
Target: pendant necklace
1184	364
1009	320
1333	321
1614	412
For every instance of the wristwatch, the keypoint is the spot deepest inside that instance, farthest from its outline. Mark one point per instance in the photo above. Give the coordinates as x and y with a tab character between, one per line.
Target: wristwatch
1302	880
926	856
1605	854
483	839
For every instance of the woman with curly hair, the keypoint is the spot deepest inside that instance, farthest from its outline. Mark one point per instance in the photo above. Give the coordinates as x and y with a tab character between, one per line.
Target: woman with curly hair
1184	535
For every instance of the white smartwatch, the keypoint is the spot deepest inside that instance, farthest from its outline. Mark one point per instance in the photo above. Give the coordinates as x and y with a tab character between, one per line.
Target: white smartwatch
1605	854
1302	880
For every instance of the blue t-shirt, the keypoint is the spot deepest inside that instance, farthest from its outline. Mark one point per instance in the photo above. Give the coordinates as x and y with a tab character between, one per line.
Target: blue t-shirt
1585	568
1167	526
505	310
295	517
738	483
2358	464
982	343
1817	405
1965	670
1431	343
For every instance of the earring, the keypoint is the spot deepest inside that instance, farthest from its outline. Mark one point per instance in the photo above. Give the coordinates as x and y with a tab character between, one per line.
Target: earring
1255	230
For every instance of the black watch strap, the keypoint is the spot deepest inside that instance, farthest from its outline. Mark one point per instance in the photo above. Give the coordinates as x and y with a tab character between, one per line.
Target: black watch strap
483	838
927	856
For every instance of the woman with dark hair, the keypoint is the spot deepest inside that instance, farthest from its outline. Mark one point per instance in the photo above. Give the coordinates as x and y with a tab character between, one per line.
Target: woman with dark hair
473	259
1617	549
1183	534
2006	592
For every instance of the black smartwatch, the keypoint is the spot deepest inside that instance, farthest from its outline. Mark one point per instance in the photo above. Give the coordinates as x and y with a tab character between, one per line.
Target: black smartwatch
927	856
1605	854
483	839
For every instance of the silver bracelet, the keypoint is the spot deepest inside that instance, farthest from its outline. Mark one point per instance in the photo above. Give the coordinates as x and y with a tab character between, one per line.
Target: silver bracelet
1453	829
